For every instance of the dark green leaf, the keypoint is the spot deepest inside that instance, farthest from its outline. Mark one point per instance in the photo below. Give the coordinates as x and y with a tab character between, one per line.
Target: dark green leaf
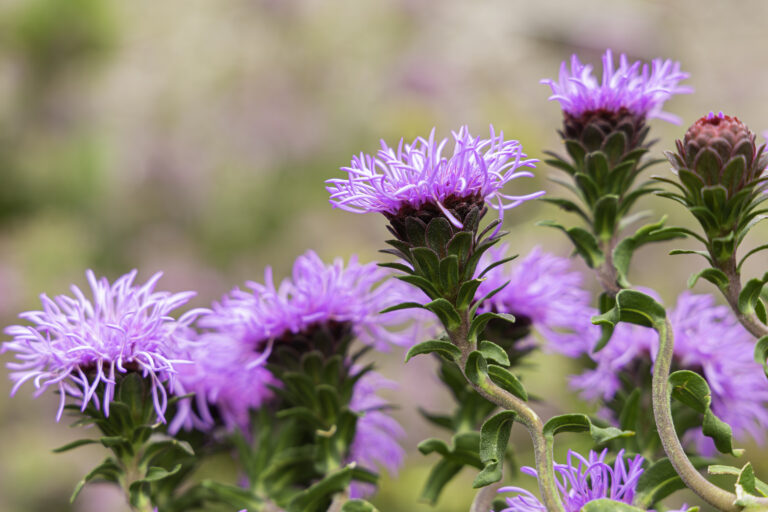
633	307
584	242
480	321
660	480
606	505
494	436
507	381
358	506
444	348
582	423
750	295
445	311
467	293
438	233
442	473
313	498
493	352
107	470
691	389
75	444
713	275
761	353
650	233
403	305
605	216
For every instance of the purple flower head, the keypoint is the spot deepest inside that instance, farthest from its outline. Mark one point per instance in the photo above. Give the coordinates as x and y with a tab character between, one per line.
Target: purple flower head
227	374
408	177
377	433
582	480
544	293
636	87
76	343
708	340
317	296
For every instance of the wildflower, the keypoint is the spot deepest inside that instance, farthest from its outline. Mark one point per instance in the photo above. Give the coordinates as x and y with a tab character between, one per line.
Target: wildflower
417	180
582	480
708	340
631	89
226	375
377	433
545	295
77	344
338	299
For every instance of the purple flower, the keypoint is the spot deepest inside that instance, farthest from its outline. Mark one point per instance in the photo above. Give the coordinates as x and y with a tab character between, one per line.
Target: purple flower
377	433
76	344
317	294
415	174
583	480
226	373
635	87
544	292
709	340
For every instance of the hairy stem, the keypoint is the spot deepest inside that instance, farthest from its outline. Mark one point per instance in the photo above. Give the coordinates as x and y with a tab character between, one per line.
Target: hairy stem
662	412
606	272
542	446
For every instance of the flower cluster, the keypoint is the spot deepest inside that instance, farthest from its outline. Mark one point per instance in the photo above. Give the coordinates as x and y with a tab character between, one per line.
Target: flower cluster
635	87
543	292
77	344
703	333
316	294
416	174
583	480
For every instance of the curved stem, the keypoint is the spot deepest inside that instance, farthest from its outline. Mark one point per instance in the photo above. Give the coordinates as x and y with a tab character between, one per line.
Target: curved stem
542	446
750	322
662	412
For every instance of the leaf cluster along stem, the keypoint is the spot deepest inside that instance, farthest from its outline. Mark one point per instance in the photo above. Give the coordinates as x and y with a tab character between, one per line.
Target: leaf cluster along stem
662	412
542	445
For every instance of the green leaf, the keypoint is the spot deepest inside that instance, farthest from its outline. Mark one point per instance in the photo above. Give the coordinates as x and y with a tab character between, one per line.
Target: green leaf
493	352
691	389
480	321
633	307
442	347
582	423
747	476
467	293
568	206
442	473
713	275
108	470
650	233
605	216
507	381
606	505
494	436
75	444
660	480
606	304
426	262
402	305
438	233
476	369
449	273
584	242
358	506
761	354
445	311
315	498
750	295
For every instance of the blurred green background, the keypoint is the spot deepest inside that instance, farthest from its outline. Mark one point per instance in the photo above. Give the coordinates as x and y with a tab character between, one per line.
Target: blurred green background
194	136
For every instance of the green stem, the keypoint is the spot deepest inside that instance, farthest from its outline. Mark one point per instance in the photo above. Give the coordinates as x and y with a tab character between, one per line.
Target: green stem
662	411
542	446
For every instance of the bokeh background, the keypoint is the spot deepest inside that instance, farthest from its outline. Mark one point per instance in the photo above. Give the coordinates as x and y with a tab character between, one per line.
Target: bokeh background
194	136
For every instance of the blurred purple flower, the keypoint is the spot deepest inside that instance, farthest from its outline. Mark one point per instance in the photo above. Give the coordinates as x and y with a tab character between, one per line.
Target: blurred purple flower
635	87
708	340
583	480
417	173
77	343
545	292
226	373
377	433
318	294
